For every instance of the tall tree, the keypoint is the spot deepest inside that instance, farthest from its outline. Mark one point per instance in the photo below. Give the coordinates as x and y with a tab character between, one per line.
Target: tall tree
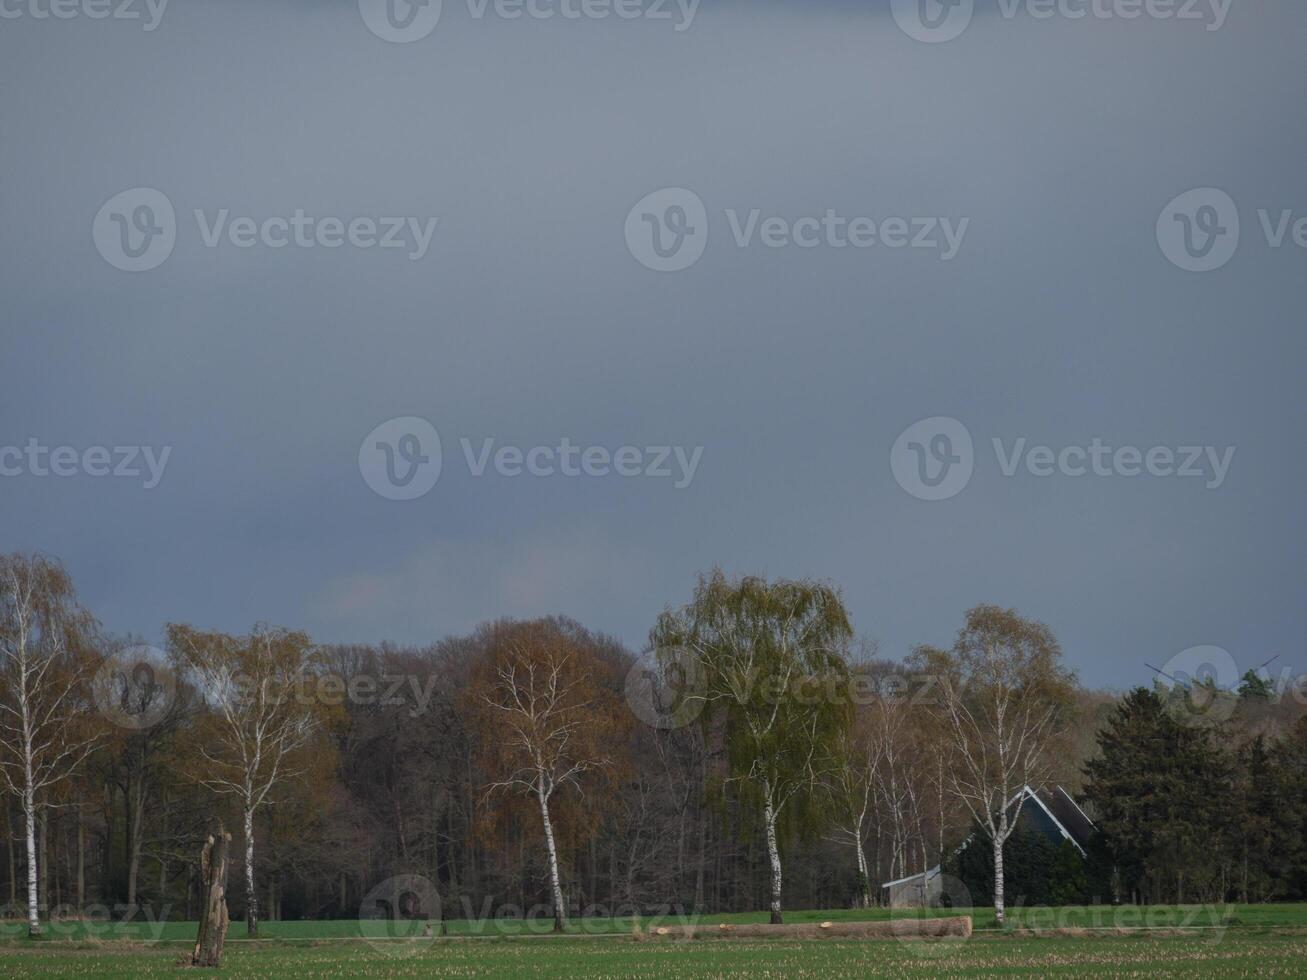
262	721
1164	793
773	662
851	783
46	664
1003	693
136	691
545	721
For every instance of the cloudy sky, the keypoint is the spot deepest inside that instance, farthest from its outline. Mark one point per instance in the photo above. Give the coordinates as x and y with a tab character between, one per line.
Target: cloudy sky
1077	300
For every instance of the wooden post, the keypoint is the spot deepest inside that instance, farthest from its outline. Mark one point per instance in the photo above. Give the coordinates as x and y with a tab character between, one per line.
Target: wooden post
213	900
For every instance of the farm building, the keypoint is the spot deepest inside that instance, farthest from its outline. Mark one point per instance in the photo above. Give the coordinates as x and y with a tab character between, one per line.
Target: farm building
1054	814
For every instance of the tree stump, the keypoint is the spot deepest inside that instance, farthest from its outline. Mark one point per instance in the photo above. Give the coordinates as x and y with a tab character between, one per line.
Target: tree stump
213	906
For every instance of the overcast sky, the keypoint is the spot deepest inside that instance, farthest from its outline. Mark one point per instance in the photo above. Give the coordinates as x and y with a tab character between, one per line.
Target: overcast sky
1050	147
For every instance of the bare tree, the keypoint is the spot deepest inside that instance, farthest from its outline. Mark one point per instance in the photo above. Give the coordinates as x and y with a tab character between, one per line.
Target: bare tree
851	783
45	667
545	722
1003	694
260	720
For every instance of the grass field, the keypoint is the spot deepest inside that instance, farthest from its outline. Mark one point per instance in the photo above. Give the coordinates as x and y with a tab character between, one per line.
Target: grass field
1209	917
1232	956
1229	941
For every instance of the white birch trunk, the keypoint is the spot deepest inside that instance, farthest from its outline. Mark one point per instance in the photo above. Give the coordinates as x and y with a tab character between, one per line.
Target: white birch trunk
998	879
774	854
251	897
555	885
863	875
29	830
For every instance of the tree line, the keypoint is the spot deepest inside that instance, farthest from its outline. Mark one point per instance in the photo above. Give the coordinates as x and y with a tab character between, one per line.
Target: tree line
757	755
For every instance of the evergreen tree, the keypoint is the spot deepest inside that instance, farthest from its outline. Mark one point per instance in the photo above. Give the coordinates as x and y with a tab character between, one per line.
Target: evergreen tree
1164	792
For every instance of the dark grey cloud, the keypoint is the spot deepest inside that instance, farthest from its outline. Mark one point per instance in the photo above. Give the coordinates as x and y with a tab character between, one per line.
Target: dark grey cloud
528	320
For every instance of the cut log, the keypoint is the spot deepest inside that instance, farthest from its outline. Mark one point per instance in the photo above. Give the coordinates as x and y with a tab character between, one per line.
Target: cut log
955	927
213	900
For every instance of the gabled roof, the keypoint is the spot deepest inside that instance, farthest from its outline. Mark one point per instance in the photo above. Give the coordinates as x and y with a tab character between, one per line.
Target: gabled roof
1072	816
927	875
1065	814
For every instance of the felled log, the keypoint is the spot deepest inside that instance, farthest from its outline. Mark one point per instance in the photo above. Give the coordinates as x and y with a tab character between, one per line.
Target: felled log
951	927
213	904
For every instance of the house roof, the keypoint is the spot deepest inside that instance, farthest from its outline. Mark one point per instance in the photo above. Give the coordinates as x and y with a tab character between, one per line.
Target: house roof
927	875
1065	814
1048	809
1072	819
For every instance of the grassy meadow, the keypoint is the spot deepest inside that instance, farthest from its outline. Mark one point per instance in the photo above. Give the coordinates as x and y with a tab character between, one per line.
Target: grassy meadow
1225	941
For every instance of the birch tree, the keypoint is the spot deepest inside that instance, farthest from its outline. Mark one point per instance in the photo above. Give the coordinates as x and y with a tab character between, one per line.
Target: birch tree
1004	695
45	669
774	669
261	722
546	723
851	784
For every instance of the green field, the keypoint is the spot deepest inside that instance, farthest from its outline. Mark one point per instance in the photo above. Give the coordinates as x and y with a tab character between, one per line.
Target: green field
1195	917
1229	941
1233	956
